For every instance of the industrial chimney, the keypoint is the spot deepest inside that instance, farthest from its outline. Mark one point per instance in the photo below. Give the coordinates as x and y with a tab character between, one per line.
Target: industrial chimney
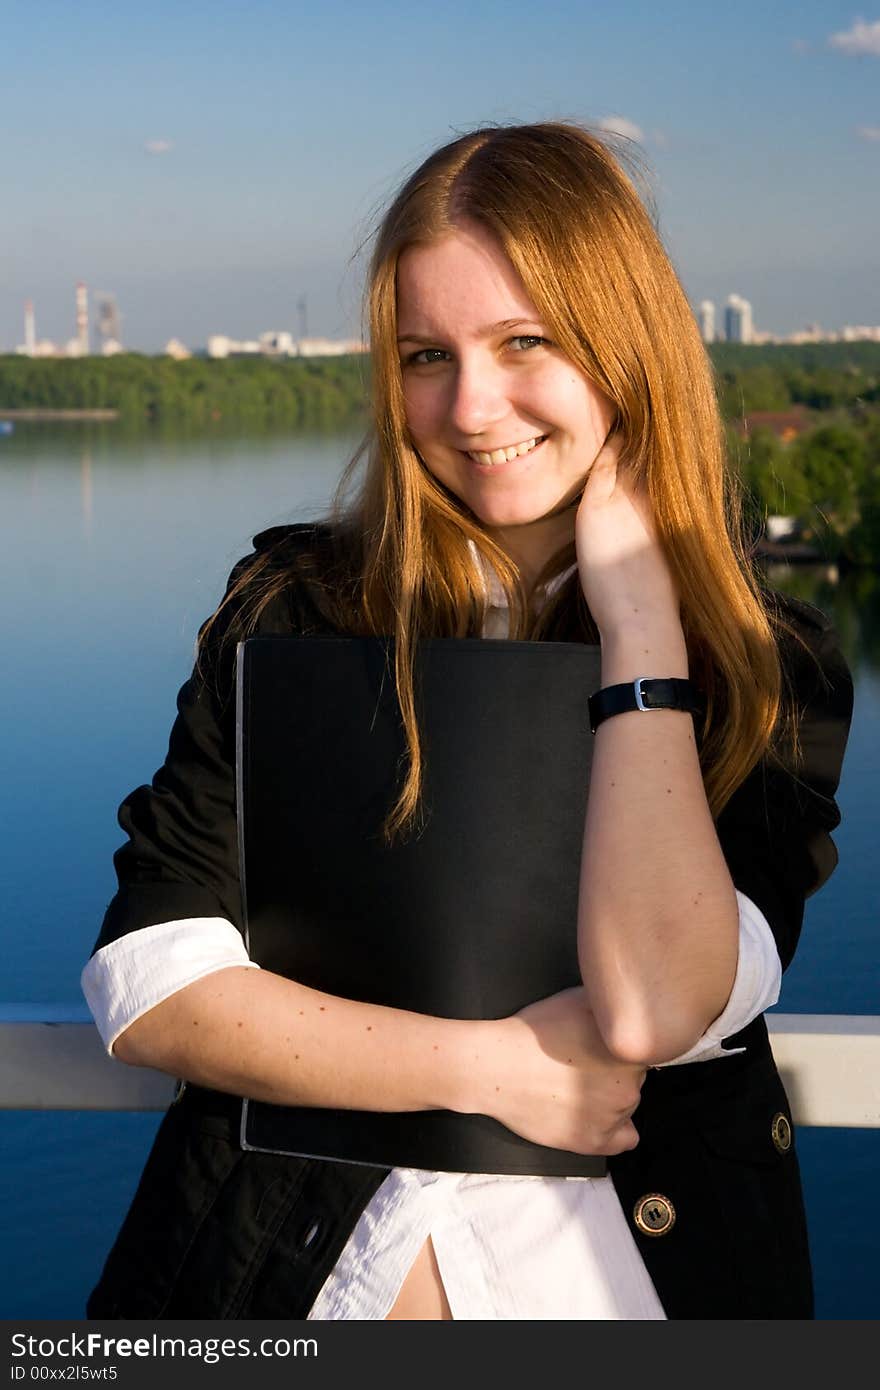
82	319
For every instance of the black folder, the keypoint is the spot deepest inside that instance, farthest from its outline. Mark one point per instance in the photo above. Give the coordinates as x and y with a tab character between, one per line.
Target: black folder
472	915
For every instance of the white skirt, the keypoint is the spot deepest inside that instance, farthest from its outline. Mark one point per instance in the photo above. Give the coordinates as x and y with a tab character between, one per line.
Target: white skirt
520	1248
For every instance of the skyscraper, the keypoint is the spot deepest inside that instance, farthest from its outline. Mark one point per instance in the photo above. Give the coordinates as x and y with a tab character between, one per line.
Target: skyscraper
706	320
108	318
738	327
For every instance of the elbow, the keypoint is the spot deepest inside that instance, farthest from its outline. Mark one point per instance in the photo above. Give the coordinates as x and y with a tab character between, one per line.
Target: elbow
646	1041
144	1044
124	1049
129	1049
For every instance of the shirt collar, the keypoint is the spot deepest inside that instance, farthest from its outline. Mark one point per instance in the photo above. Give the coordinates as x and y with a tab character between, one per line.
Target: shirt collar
495	594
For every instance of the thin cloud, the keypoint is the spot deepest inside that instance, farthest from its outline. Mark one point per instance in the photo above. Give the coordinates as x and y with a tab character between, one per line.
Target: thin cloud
868	132
860	39
620	125
800	46
158	146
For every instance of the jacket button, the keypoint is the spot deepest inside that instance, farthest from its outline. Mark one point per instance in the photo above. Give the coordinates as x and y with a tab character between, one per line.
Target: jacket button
654	1215
780	1133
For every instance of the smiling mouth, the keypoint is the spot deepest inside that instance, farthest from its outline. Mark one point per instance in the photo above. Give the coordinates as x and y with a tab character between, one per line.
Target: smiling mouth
496	457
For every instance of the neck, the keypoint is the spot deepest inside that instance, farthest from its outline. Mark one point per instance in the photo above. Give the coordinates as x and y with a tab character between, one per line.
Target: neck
531	546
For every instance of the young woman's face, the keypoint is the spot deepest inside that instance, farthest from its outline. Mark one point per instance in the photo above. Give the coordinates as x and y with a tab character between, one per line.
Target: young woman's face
495	410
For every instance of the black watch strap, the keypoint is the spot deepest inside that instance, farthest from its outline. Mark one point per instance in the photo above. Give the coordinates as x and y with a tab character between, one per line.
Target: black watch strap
646	693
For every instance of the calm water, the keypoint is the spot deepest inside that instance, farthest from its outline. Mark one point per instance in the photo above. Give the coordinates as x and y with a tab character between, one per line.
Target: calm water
113	551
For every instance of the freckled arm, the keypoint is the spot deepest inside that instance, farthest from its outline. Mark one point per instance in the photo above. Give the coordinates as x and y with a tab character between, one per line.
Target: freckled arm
253	1033
658	919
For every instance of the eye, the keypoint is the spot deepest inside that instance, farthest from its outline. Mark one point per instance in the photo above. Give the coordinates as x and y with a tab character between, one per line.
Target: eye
526	341
425	357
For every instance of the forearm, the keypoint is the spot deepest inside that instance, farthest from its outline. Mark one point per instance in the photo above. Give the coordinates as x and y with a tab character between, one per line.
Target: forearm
658	920
256	1034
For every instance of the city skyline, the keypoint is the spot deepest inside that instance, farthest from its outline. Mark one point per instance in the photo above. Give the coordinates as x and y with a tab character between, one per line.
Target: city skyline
214	166
735	324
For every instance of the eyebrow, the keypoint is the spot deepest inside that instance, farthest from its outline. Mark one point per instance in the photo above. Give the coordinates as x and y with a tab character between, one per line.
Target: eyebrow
486	332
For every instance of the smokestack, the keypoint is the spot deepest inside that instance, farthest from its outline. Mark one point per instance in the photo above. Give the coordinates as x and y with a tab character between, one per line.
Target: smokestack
30	333
82	318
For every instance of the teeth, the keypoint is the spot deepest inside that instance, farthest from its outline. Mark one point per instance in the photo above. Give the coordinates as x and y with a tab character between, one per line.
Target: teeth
515	451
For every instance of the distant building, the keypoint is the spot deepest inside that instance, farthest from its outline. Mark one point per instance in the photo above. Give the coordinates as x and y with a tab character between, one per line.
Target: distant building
30	331
780	528
176	349
738	327
329	347
221	346
82	322
79	345
109	323
812	333
278	343
706	320
44	347
851	333
785	424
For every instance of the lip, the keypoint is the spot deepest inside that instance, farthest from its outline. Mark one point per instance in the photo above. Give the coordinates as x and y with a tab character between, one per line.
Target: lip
508	463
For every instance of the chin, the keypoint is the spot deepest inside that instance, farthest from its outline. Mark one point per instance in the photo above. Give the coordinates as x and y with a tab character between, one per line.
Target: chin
503	515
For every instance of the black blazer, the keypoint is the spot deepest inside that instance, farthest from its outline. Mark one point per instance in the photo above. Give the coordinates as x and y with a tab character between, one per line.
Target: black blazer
712	1192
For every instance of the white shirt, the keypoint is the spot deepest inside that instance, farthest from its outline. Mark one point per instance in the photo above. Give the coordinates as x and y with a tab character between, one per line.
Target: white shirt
508	1248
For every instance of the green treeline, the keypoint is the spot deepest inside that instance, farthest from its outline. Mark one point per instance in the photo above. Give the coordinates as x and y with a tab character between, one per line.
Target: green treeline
821	466
777	376
198	392
818	376
827	480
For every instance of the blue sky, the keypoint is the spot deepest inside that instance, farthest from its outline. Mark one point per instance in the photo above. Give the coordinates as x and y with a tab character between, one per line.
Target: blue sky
212	163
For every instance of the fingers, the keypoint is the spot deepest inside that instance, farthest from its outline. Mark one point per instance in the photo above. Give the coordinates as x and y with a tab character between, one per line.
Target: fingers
622	1134
620	1139
616	1134
602	477
624	1139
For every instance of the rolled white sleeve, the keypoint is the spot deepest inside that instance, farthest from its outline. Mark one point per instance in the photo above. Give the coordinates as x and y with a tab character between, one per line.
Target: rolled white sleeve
755	988
132	975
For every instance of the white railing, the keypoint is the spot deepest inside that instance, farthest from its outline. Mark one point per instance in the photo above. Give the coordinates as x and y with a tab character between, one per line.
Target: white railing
51	1058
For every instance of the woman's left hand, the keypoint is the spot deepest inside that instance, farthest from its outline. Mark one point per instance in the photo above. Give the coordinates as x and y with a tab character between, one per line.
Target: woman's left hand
623	571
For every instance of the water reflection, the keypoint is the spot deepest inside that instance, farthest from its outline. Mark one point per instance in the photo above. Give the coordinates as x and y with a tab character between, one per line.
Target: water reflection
851	599
85	492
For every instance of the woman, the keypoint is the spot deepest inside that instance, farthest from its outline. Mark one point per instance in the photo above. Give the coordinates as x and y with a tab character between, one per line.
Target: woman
546	462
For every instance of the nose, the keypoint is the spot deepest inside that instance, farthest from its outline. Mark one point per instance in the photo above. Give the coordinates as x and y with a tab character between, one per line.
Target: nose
479	397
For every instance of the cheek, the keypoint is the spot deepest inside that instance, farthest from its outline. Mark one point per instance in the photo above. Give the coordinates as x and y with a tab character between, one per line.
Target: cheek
596	411
566	395
421	410
602	409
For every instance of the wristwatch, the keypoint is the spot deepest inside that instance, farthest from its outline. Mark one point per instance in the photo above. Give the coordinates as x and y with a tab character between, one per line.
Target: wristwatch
645	693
